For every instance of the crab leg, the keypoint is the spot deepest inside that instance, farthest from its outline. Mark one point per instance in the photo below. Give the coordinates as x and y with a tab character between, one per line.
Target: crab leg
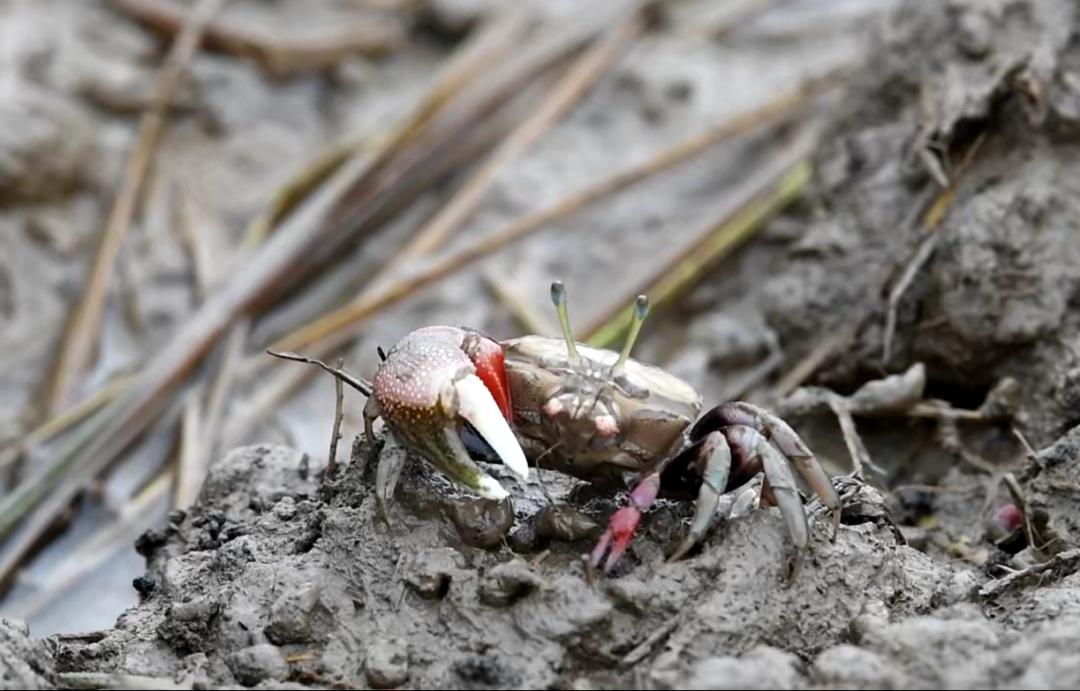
624	522
735	454
767	498
391	461
715	449
785	493
371	414
784	439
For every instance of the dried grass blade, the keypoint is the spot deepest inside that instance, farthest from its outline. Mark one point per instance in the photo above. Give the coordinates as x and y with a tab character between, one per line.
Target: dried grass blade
564	94
279	53
772	187
189	474
81	336
65	420
335	328
97	550
34	508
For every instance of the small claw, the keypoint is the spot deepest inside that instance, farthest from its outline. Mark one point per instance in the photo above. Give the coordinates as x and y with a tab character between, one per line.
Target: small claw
618	535
476	404
624	523
713	454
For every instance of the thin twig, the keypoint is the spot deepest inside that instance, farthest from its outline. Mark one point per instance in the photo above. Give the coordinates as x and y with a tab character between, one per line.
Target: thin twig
911	270
805	367
339	374
715	20
1059	566
339	404
299	187
64	421
280	53
939	489
220	389
860	457
194	232
753	378
643	649
22	498
934	214
82	334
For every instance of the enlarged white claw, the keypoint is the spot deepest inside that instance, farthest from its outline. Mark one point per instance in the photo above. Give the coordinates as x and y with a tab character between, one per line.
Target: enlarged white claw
491	489
476	405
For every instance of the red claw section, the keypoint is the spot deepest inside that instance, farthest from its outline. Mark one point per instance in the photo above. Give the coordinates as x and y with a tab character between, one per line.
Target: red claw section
624	522
487	356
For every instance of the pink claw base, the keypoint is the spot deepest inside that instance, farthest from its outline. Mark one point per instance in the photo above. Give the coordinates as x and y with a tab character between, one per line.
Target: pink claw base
624	523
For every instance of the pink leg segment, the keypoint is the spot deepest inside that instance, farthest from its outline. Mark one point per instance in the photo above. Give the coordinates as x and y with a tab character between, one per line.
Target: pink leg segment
625	521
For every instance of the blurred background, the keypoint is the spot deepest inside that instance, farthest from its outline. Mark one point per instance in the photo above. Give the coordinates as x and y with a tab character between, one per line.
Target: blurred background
184	184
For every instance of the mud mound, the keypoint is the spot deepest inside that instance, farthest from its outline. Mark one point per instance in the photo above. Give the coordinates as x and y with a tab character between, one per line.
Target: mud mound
278	577
961	136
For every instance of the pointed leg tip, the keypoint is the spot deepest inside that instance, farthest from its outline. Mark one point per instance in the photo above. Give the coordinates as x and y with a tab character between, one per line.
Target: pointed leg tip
688	543
618	536
476	404
835	525
614	558
489	488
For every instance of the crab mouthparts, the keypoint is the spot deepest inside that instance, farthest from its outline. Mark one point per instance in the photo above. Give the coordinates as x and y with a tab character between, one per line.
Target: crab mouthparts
476	404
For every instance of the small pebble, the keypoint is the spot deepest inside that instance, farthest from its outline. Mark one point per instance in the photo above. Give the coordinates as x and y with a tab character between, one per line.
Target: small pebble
761	668
563	522
507	582
290	615
387	664
482	523
973	34
144	584
258	663
285	509
430	572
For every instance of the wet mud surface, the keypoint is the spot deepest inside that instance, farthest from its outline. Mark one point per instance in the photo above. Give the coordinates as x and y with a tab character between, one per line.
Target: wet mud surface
953	160
278	575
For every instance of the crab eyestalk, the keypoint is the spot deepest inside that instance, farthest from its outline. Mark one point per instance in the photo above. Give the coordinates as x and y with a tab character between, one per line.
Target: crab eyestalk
641	310
558	296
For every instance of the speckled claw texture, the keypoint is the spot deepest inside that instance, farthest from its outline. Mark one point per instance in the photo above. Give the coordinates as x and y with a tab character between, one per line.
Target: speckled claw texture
438	384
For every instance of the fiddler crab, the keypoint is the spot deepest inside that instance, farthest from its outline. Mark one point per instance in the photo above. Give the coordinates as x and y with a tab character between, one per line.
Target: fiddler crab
455	396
